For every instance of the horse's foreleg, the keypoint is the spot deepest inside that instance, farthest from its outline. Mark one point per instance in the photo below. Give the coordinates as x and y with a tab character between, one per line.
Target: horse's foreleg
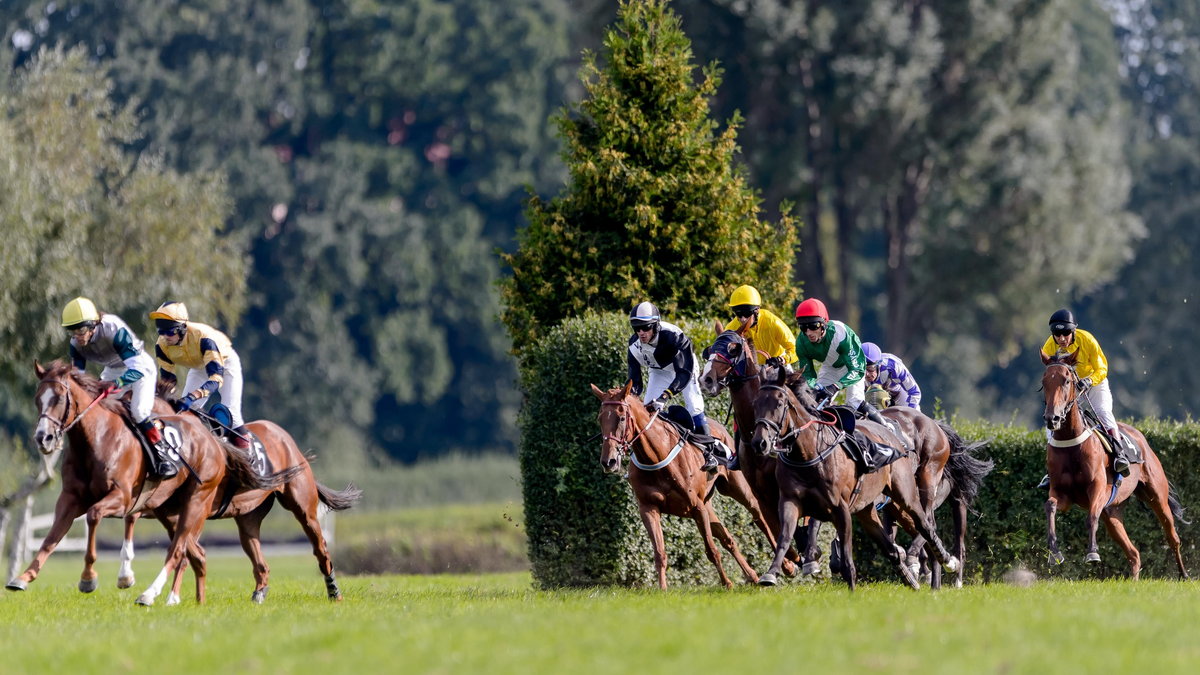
722	535
845	528
789	514
1116	530
1093	524
652	519
66	510
125	577
1055	557
904	493
806	541
187	533
874	528
739	490
111	504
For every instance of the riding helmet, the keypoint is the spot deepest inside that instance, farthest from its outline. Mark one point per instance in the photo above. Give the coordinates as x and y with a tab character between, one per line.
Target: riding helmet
1062	320
644	315
872	353
78	312
812	309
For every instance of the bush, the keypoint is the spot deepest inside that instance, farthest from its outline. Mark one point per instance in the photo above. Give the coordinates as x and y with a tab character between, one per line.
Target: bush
584	529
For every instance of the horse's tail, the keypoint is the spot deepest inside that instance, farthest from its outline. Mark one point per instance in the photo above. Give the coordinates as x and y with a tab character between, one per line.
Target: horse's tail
1176	507
339	501
964	470
240	464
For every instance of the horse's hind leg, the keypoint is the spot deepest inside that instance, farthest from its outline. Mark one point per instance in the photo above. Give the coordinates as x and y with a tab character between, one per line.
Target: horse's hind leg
722	535
903	491
736	487
302	499
125	577
1116	529
1159	500
249	529
702	513
874	528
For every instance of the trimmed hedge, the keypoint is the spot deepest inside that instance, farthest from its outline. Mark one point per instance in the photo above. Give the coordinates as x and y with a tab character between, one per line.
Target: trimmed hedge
584	528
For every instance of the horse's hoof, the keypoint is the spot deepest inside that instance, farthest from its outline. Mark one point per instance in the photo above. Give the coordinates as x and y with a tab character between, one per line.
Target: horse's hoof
1092	557
789	568
87	585
145	600
909	578
172	600
768	579
811	568
957	582
1055	558
258	596
951	565
17	584
125	582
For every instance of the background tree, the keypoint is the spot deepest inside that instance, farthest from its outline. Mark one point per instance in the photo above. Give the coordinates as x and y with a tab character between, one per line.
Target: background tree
655	207
82	216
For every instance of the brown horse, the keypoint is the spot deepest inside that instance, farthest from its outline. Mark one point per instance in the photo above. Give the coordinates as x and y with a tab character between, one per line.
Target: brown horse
300	495
104	473
730	363
826	484
1080	475
666	476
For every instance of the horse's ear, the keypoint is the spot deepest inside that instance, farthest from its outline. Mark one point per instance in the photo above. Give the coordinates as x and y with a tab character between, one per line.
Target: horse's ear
38	369
780	376
1071	358
599	394
717	327
1046	358
628	388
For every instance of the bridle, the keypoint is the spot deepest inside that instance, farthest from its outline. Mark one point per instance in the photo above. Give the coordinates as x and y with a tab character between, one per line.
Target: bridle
737	367
62	426
1072	380
625	445
779	436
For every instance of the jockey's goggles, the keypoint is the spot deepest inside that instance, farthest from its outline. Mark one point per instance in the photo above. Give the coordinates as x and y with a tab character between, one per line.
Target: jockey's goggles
744	311
81	328
811	325
1061	330
167	328
644	329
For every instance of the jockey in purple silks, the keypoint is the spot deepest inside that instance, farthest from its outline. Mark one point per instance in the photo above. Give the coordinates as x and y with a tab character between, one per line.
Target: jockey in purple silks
889	371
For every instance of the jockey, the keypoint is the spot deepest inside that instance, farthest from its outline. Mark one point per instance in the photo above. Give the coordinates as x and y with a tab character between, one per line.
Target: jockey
209	359
666	353
889	371
772	337
1092	369
834	346
107	340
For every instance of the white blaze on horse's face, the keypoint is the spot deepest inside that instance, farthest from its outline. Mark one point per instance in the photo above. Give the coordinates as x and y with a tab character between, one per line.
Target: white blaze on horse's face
709	384
46	434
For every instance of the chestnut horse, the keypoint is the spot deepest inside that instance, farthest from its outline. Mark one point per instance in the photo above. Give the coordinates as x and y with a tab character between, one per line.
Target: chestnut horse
300	495
826	484
666	476
104	473
1080	474
730	363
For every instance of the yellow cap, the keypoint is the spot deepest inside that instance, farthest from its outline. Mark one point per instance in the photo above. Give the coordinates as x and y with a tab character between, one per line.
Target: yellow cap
745	295
171	310
79	310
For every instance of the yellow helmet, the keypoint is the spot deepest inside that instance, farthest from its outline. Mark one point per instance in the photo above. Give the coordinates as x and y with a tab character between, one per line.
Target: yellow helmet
78	311
745	295
171	310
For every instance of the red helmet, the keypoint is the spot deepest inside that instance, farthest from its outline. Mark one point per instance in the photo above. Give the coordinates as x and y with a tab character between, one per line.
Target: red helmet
812	309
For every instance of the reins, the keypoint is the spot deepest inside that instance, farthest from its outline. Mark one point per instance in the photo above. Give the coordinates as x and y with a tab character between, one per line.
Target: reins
62	427
626	446
791	436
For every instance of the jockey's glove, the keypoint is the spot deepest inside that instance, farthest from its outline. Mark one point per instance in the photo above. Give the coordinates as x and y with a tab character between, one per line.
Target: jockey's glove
1085	384
184	403
659	403
827	392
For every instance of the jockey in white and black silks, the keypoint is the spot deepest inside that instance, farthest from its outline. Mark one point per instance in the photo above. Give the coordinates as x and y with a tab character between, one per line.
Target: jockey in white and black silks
889	372
107	340
207	355
666	354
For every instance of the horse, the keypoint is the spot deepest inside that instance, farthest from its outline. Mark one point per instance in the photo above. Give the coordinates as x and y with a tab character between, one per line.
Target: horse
730	363
300	495
667	479
946	470
827	484
104	473
1080	475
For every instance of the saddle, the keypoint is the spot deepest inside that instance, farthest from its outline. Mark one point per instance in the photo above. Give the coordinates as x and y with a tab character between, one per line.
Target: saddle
867	454
1132	452
678	416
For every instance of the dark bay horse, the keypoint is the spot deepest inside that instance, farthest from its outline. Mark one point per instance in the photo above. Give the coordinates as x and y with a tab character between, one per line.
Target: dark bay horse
104	473
300	495
1080	474
819	479
730	362
672	481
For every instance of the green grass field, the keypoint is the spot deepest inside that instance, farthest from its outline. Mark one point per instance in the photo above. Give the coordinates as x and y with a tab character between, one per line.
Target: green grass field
499	624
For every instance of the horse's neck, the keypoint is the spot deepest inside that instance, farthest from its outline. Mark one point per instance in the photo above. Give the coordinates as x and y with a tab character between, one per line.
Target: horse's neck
653	443
1072	427
743	403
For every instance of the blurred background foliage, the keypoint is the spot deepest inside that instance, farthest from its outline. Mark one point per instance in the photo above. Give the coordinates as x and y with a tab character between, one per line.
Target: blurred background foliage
330	182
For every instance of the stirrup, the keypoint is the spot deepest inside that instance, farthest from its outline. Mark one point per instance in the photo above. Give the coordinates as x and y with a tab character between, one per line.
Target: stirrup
1045	483
710	461
1121	466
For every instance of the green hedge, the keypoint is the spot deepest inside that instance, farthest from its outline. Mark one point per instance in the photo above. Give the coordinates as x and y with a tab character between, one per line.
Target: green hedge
584	529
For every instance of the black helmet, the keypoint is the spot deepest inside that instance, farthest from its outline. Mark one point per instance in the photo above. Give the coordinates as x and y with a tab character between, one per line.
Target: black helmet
1062	321
644	315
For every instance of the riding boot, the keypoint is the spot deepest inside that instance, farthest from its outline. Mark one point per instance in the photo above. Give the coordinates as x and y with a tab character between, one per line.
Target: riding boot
710	449
240	437
1045	483
1120	459
869	411
162	464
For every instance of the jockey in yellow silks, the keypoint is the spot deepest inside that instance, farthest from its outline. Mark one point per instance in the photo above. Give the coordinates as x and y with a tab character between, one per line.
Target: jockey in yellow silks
208	358
772	337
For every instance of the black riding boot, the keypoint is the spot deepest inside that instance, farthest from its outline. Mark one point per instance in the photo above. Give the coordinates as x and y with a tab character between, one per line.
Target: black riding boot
1120	458
162	465
869	411
710	450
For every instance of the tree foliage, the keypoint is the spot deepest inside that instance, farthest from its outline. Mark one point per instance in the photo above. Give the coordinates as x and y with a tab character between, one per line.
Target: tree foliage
656	207
83	216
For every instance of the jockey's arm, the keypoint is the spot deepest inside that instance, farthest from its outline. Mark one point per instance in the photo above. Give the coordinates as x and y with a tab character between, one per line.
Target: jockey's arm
634	373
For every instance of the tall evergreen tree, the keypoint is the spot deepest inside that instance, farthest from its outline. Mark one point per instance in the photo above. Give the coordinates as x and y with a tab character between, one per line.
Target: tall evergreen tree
656	207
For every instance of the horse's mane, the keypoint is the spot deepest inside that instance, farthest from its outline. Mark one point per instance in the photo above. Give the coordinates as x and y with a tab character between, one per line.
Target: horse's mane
804	393
93	385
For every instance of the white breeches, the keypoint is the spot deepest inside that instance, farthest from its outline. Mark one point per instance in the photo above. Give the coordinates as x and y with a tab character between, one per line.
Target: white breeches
659	380
1100	397
855	393
231	388
142	401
